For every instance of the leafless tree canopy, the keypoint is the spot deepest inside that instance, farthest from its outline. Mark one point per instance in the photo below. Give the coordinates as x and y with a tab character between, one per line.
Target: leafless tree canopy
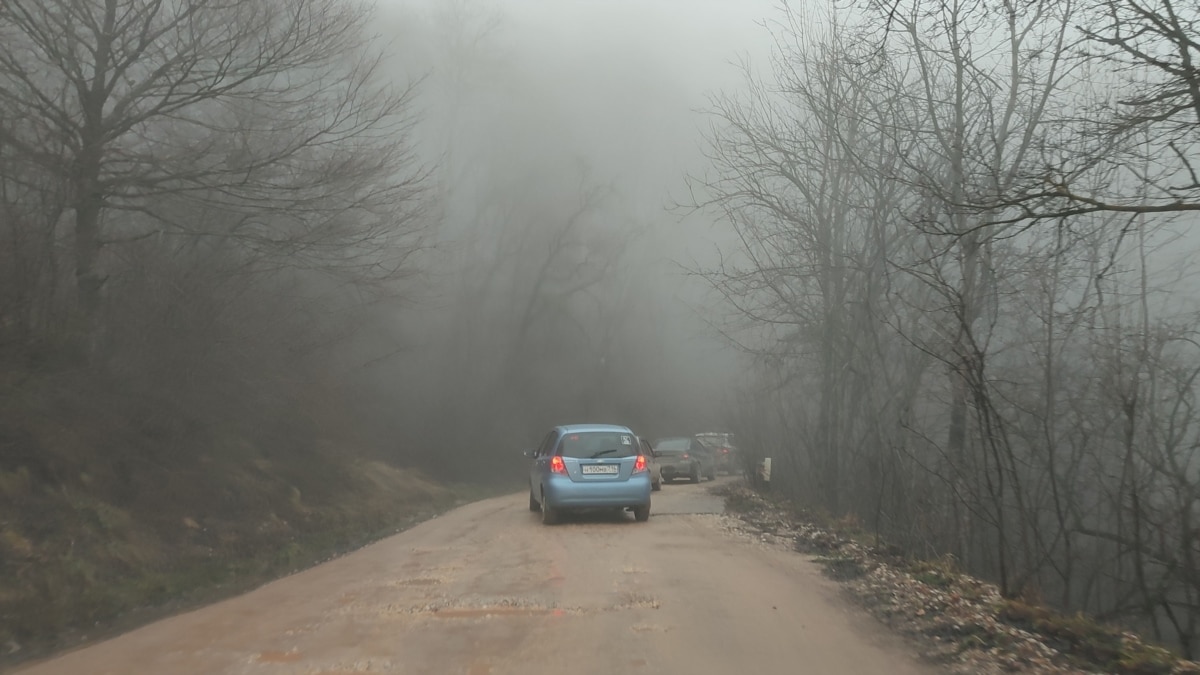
200	200
1125	139
951	276
261	125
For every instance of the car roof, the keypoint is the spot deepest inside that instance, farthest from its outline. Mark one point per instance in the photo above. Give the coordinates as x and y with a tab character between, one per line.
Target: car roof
675	438
581	428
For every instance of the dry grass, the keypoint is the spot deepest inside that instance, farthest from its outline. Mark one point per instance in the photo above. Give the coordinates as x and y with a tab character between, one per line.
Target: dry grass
117	507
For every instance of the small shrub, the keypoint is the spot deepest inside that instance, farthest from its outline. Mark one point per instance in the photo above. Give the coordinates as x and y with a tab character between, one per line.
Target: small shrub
933	579
938	572
740	501
1147	660
843	568
848	524
1083	638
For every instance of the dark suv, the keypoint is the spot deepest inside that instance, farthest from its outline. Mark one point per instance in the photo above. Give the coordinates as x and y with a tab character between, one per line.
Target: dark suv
724	451
684	457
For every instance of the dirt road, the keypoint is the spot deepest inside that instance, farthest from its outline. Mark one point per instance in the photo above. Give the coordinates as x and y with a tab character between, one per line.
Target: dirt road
488	590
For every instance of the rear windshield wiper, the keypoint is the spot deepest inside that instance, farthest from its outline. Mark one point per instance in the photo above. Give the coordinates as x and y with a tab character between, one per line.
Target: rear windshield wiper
602	452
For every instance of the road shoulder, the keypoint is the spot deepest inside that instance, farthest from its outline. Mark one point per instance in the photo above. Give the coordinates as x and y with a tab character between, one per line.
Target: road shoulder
960	623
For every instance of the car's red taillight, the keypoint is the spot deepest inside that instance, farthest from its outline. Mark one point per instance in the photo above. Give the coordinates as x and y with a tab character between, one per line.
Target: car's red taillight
639	465
685	455
557	465
724	451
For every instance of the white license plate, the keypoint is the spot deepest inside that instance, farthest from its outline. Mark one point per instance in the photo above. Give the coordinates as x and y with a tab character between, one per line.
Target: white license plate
609	469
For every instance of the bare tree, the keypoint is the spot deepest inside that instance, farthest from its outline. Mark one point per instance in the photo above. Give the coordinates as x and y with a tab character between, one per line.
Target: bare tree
31	207
809	280
269	110
1138	107
1058	455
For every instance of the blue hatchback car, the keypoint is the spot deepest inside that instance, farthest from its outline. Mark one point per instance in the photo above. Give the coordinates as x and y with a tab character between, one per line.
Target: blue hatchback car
589	466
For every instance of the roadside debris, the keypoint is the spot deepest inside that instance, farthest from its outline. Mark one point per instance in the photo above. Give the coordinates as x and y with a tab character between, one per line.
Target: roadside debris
956	621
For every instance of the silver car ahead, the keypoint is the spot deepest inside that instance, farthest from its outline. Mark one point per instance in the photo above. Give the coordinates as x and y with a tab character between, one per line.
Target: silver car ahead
655	469
588	466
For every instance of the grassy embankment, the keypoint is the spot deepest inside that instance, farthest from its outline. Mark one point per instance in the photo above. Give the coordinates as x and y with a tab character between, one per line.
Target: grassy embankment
118	507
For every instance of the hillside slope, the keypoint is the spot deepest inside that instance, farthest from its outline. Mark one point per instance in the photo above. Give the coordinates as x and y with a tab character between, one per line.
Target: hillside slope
118	505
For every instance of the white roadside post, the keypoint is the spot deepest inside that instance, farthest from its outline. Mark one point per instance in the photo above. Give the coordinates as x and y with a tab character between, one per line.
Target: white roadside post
764	473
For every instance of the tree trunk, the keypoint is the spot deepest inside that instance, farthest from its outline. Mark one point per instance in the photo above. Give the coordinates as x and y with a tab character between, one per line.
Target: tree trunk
89	204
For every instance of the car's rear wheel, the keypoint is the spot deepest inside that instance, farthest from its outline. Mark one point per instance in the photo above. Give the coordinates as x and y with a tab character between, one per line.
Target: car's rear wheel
641	513
712	475
695	477
549	514
533	504
656	485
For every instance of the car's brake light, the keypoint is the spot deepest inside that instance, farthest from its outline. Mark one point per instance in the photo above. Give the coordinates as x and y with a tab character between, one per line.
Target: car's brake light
557	465
724	451
639	465
685	455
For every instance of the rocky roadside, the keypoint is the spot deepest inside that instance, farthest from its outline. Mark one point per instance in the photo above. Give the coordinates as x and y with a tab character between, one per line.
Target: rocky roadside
958	622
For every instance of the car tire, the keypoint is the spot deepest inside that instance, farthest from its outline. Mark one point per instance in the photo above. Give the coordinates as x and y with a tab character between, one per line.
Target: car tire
695	474
712	475
656	485
533	504
549	514
641	513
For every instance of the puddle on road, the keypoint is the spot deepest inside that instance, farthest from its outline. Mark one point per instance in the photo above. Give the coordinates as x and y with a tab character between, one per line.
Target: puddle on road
355	668
635	600
492	608
292	656
420	581
489	612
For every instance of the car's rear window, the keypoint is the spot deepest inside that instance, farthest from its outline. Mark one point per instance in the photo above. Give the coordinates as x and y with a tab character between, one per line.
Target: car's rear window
673	446
597	444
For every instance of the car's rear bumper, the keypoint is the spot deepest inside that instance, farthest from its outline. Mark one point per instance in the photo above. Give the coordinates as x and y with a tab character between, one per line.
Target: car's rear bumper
676	471
563	493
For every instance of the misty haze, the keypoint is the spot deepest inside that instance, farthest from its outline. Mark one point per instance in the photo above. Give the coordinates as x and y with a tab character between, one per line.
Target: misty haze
831	337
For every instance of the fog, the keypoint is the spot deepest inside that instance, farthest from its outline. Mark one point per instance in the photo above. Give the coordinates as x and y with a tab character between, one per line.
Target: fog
533	114
935	260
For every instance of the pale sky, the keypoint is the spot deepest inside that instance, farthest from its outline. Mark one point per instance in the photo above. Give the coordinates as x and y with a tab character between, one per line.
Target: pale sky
619	81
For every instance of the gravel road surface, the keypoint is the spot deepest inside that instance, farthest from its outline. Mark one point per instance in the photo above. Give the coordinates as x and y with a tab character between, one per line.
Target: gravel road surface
488	590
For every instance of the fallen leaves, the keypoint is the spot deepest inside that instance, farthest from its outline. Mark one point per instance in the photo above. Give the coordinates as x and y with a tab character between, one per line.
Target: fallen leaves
959	622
